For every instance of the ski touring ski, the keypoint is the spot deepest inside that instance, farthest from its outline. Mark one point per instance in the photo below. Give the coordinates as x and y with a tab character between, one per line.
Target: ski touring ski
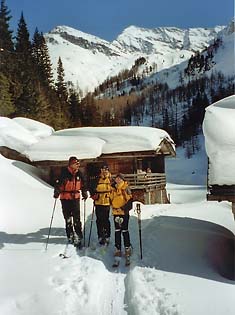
65	252
103	246
77	244
117	261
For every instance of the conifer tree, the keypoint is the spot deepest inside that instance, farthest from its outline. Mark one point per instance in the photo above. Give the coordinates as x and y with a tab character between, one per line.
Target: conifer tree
74	109
23	44
7	107
6	42
60	84
27	100
5	34
61	119
89	113
42	59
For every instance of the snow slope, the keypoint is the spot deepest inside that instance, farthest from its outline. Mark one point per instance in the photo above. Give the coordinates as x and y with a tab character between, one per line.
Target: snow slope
187	265
89	60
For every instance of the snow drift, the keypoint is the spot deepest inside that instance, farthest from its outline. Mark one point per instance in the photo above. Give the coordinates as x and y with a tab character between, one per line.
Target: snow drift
219	131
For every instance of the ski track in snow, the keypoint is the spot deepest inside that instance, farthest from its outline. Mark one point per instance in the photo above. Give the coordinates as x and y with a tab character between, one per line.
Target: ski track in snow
84	284
87	284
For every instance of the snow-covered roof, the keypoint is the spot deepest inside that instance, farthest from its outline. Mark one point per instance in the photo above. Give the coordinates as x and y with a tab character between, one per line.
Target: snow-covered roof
40	142
219	132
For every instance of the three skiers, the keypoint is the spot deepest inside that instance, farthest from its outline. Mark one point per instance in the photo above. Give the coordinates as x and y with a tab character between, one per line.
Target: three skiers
106	193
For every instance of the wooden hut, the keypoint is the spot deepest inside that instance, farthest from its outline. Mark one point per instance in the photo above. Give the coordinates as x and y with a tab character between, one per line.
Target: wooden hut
222	193
147	187
143	165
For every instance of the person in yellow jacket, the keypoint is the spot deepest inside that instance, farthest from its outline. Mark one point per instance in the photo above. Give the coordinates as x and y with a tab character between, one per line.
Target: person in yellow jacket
100	193
121	201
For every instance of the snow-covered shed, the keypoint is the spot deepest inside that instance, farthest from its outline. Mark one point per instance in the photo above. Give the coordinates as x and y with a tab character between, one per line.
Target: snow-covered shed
130	150
219	132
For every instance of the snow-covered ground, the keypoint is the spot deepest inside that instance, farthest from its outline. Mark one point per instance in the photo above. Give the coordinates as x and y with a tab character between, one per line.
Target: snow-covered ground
188	252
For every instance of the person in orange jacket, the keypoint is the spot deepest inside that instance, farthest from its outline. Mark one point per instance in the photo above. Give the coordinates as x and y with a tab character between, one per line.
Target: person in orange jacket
68	187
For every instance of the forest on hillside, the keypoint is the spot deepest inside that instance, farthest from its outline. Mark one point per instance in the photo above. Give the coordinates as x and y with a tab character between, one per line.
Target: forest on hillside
29	89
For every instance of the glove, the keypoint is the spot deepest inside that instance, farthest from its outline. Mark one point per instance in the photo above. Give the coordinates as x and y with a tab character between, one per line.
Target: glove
95	196
56	193
84	195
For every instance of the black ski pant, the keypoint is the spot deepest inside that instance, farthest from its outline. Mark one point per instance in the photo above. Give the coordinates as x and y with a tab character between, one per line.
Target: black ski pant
71	213
102	221
121	228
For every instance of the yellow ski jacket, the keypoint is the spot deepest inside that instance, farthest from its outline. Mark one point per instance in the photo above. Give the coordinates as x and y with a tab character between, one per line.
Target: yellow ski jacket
103	191
120	195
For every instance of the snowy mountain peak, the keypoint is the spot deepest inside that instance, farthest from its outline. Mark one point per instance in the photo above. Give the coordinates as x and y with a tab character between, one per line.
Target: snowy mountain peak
230	28
89	60
162	38
69	31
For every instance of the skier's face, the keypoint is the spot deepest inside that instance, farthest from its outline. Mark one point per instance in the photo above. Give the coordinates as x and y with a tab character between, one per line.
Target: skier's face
75	165
104	171
118	180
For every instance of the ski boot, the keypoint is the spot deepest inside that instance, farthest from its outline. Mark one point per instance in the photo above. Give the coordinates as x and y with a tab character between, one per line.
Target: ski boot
117	257
101	241
104	241
127	255
107	240
77	242
71	239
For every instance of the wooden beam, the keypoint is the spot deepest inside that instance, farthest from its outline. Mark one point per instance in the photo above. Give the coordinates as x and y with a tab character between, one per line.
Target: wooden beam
230	198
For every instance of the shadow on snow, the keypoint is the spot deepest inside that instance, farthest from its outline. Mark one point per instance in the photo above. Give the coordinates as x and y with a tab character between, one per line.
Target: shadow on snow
172	244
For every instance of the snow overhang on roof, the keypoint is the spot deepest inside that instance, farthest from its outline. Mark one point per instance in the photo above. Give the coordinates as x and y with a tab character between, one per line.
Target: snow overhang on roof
92	142
219	132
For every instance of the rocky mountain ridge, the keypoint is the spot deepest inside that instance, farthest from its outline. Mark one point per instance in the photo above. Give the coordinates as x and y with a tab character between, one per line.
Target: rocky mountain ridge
89	60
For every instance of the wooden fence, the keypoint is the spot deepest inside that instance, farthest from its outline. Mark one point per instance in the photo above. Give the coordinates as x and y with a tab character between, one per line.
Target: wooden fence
147	181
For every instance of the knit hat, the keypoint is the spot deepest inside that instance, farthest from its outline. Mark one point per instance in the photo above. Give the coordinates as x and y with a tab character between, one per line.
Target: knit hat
73	160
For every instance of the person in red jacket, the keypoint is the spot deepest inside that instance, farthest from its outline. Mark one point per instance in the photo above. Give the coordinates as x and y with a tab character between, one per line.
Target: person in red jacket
68	187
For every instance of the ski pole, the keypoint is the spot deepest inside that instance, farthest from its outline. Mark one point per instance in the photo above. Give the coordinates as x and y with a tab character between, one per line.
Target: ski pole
51	224
84	222
92	218
138	210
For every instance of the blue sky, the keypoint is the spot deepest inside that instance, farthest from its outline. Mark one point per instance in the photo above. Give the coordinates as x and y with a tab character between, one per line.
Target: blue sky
108	18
